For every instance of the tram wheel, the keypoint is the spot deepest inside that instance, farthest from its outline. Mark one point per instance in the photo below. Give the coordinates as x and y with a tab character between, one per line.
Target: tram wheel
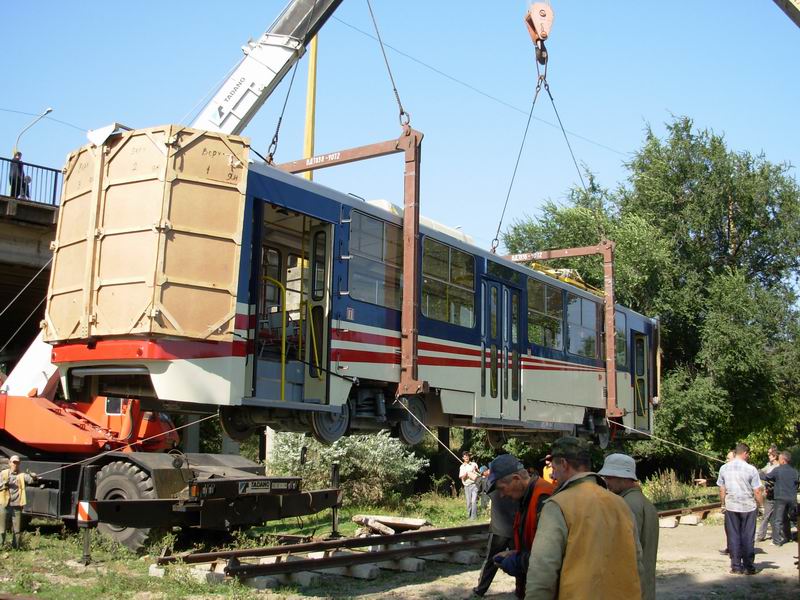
234	423
412	432
496	439
327	427
603	436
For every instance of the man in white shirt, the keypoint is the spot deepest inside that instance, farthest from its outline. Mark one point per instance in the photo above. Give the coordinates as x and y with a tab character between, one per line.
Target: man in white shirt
468	474
769	505
740	492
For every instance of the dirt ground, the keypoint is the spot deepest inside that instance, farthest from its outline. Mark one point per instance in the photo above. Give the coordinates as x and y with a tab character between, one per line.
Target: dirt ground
689	566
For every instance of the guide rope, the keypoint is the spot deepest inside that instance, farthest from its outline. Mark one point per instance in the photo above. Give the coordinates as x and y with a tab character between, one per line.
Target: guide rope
436	437
404	117
121	448
659	439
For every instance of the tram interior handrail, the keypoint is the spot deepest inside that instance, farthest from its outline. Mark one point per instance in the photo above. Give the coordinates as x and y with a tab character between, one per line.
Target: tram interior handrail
283	333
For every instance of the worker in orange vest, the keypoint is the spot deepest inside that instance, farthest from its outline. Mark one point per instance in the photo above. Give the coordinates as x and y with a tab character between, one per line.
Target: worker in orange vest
510	478
547	471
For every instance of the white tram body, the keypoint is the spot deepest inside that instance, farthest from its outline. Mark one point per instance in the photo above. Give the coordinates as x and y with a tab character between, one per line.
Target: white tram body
186	275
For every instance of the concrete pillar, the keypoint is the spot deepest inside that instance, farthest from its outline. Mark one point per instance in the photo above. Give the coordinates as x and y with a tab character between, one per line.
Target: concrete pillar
442	461
190	436
269	443
467	439
229	446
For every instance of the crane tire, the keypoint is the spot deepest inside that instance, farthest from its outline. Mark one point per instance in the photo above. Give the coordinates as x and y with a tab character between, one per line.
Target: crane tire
122	480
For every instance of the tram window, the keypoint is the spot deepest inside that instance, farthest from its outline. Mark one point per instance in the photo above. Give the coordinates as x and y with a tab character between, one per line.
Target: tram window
639	357
582	331
514	348
545	315
504	272
294	284
514	318
493	313
493	371
436	260
318	267
375	273
621	341
448	284
271	267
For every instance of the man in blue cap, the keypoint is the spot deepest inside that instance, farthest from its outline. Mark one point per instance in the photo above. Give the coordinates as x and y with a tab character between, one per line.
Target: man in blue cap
501	532
509	478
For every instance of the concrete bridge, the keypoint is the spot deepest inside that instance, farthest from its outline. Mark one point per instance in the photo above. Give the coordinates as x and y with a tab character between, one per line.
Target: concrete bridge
28	213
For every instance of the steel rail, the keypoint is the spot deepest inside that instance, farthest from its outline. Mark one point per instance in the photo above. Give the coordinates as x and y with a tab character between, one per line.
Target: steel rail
689	510
236	569
377	540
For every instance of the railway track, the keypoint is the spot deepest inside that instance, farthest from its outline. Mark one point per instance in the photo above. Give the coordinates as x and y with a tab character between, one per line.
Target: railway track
703	510
362	558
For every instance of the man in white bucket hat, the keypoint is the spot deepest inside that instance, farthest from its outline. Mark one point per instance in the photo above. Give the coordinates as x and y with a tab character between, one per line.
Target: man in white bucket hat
619	472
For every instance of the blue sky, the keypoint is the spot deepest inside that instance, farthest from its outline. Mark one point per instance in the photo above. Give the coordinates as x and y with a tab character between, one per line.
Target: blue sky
615	67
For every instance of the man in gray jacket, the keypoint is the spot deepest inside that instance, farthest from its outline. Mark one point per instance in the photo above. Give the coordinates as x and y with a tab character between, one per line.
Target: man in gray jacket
619	472
501	536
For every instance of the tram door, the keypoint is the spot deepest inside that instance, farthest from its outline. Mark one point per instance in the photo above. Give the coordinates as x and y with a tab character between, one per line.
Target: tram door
641	382
317	315
501	343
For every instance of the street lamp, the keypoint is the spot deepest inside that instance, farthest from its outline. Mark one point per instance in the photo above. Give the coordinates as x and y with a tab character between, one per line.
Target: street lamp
31	124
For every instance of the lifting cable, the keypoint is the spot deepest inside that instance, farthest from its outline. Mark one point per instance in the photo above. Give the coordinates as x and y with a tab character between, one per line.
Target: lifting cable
21	325
273	146
566	137
405	118
540	82
542	77
27	285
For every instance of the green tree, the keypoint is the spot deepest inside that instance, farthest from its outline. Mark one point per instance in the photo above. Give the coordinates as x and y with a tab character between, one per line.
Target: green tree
707	239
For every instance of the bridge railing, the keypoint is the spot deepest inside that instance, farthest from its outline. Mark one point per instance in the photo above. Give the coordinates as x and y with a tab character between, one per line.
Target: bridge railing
35	183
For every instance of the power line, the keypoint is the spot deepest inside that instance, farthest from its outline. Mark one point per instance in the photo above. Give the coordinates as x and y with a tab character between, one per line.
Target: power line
22	112
477	90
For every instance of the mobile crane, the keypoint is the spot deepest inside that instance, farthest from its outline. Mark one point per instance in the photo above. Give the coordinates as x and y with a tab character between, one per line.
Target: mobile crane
143	484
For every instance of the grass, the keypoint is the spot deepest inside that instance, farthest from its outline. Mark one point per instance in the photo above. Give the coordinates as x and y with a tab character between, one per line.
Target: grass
441	511
47	567
666	491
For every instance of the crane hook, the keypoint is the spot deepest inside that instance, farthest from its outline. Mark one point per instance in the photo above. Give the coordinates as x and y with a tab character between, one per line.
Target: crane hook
539	20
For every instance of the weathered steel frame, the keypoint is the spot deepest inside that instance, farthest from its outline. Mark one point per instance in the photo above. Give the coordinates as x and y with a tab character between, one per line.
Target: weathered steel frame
606	249
410	144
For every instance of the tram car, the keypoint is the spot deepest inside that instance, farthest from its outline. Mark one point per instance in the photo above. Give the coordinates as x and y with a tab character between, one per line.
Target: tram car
187	275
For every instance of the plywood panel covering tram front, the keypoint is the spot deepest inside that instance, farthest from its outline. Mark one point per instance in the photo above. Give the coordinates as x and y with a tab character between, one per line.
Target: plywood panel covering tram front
149	237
